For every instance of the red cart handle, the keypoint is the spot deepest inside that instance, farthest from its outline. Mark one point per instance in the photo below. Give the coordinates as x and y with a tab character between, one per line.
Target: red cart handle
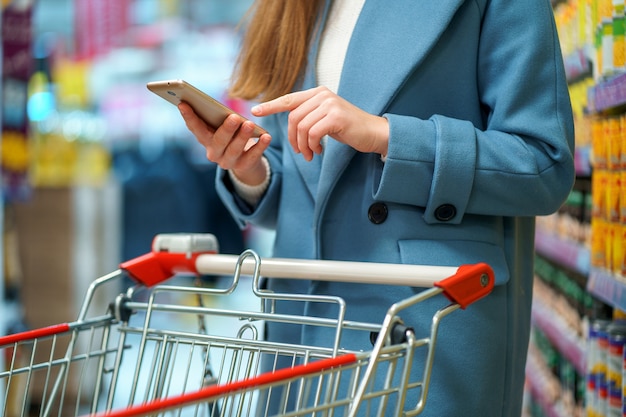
197	254
469	284
171	254
153	268
34	334
214	391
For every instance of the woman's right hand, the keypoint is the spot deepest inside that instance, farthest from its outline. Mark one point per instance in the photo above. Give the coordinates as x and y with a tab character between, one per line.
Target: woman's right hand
231	145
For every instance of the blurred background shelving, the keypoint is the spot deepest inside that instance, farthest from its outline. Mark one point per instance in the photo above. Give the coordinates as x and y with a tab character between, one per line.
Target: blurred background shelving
580	284
93	164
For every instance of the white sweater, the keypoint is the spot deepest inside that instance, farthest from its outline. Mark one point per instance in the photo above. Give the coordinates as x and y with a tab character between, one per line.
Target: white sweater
335	39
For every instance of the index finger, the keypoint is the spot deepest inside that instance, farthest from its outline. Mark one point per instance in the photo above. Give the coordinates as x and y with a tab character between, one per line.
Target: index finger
281	104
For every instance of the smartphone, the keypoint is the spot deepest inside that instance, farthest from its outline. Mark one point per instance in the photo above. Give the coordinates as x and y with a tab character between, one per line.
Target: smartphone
206	107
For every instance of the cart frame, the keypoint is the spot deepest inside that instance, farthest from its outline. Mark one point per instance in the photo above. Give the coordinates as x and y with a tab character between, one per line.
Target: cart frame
111	334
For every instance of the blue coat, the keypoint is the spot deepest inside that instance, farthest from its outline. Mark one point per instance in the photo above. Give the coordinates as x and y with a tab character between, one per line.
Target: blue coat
481	141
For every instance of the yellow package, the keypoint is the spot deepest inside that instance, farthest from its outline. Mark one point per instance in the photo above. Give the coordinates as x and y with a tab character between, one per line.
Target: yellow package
617	249
623	247
598	242
622	197
613	142
598	149
599	185
613	192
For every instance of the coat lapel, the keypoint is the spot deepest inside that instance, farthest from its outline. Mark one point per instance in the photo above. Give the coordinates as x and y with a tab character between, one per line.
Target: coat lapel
310	171
398	35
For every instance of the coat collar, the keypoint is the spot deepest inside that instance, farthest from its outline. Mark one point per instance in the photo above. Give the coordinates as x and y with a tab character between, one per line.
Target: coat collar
398	35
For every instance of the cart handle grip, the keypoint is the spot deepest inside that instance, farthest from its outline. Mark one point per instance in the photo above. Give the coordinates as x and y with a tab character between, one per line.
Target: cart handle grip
469	284
327	270
197	254
171	254
156	267
34	334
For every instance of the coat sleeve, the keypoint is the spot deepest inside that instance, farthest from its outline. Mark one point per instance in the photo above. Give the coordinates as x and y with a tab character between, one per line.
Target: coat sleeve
520	161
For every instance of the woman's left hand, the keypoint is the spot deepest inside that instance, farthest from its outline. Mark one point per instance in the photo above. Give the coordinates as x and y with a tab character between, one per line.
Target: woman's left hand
318	112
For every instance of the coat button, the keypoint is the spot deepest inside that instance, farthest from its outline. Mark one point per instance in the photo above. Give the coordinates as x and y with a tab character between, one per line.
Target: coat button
445	212
377	213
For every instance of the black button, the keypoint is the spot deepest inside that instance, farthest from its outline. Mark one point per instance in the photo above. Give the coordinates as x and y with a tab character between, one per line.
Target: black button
445	212
377	213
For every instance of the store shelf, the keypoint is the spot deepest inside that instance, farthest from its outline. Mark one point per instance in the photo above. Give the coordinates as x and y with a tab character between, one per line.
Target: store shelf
607	287
568	254
539	383
560	335
608	94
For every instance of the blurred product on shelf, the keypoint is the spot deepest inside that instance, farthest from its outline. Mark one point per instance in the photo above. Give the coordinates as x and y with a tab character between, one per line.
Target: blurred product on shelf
16	46
608	220
572	221
605	364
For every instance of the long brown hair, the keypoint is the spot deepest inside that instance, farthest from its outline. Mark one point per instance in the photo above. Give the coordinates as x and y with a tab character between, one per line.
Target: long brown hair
275	46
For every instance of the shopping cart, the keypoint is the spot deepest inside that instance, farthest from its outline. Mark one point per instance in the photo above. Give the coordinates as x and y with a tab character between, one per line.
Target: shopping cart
131	361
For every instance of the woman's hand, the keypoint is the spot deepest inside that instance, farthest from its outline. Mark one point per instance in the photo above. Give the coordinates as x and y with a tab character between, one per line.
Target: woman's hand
231	145
318	112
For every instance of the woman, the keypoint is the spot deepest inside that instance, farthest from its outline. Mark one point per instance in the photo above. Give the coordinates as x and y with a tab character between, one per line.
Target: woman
422	132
